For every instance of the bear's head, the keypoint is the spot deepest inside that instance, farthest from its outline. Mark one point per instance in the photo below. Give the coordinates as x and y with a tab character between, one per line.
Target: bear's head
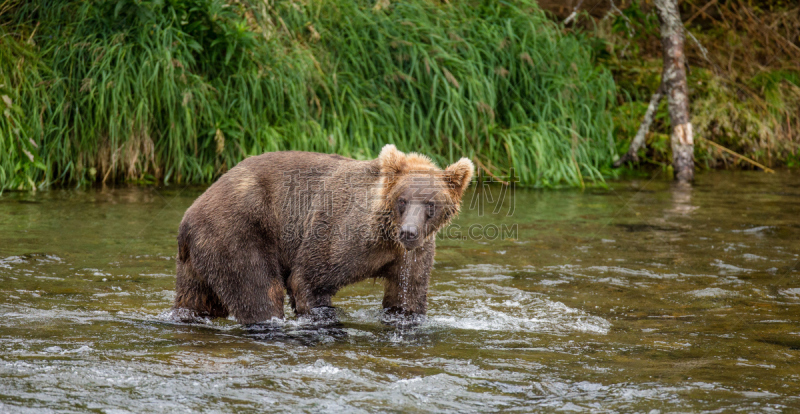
416	197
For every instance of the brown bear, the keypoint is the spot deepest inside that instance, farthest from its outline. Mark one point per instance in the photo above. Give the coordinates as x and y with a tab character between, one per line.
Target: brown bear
309	224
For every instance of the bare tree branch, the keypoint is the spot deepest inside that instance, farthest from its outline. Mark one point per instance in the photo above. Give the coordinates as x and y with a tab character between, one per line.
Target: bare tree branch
703	50
574	13
639	140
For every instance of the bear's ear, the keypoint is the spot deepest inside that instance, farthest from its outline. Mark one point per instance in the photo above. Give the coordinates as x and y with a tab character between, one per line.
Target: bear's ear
392	162
458	176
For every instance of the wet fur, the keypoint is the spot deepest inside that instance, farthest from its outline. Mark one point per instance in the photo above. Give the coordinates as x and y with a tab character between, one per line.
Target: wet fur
277	223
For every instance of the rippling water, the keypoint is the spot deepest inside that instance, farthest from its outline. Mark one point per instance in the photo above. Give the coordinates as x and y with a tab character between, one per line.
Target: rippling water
642	297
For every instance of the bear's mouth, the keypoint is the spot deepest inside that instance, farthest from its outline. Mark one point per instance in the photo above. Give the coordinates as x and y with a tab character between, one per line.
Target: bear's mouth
412	245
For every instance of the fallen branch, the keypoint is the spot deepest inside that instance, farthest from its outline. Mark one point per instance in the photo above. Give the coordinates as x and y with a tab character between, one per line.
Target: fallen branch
638	140
765	168
703	50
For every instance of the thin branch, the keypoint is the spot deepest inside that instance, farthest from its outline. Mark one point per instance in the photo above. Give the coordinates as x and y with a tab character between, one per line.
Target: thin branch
638	141
628	24
774	33
766	169
574	13
699	12
703	50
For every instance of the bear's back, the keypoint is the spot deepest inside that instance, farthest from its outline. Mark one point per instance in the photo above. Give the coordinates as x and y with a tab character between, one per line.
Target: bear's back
286	162
272	187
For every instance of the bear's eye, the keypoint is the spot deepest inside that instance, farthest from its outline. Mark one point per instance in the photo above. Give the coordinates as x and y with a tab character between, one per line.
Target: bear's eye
431	209
401	205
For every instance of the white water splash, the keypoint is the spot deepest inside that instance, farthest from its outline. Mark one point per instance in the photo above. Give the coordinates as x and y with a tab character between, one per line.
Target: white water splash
712	293
754	230
794	293
321	368
728	268
498	308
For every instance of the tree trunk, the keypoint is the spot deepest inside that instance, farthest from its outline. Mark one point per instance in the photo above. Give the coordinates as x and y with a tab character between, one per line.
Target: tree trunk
673	79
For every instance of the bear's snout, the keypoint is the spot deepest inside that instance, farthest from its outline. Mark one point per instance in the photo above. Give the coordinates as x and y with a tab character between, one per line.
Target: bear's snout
409	233
410	236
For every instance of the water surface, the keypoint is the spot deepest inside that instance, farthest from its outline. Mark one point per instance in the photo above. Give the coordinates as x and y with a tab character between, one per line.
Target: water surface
641	297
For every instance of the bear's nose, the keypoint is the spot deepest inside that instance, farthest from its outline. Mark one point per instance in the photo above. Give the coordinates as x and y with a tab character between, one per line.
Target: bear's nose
409	232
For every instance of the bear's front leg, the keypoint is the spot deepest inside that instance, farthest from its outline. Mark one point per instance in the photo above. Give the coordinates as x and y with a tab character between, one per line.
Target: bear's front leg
406	283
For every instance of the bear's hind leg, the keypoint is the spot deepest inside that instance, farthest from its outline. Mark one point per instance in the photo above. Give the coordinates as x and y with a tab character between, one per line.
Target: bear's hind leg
254	290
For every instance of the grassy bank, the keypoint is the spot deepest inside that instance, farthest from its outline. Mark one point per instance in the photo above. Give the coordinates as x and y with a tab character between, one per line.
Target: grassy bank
180	91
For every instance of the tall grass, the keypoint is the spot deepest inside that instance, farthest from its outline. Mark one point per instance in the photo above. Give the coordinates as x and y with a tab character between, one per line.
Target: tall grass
180	91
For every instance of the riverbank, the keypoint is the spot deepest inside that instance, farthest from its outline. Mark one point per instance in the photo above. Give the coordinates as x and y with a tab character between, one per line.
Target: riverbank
181	91
152	92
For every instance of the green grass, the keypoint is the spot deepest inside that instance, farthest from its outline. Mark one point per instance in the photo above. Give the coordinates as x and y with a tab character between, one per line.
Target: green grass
180	91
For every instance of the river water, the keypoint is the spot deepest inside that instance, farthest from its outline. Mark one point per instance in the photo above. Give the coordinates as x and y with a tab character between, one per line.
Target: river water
644	296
